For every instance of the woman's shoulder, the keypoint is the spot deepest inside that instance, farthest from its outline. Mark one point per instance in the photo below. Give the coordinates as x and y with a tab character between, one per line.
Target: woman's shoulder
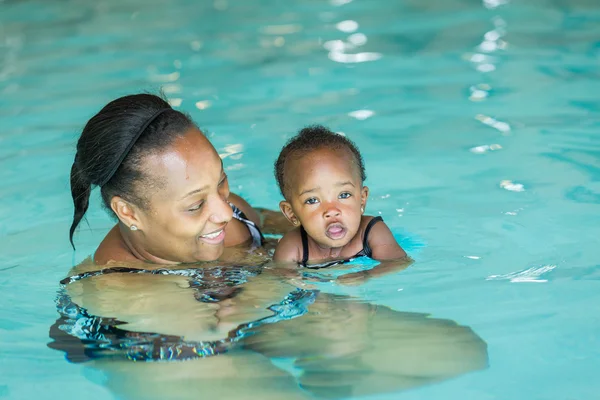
106	253
87	265
113	249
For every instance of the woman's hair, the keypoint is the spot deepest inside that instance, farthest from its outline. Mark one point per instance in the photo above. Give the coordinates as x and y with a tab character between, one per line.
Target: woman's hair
312	138
112	146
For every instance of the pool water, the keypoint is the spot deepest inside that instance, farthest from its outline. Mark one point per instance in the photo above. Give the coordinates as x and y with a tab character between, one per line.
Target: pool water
479	124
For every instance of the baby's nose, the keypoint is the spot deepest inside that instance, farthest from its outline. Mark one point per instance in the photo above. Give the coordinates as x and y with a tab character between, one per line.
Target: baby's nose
332	212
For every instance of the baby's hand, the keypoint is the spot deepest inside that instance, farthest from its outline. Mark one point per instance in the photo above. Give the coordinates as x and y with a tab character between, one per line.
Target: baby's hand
383	268
353	279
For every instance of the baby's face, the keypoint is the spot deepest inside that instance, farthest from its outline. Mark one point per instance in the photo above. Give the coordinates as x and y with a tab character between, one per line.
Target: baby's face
326	195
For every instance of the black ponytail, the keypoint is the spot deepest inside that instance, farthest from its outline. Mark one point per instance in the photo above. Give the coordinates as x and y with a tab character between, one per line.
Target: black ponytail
80	191
112	146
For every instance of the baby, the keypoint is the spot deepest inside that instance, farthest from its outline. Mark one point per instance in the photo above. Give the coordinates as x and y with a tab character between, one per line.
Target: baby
321	175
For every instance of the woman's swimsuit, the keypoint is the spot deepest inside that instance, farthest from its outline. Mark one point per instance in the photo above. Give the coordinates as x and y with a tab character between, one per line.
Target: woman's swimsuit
257	236
83	336
365	252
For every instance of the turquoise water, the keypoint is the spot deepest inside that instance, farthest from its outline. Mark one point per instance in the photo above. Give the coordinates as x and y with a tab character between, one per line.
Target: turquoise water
478	122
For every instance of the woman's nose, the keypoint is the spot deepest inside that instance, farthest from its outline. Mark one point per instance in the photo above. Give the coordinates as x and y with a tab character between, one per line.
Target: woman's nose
222	211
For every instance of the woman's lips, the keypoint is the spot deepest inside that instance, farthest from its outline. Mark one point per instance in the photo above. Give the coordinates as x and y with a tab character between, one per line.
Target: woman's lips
335	231
215	237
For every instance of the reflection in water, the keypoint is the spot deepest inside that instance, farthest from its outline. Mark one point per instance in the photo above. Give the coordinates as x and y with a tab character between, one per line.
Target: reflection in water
511	186
324	345
347	26
343	348
339	49
494	123
532	274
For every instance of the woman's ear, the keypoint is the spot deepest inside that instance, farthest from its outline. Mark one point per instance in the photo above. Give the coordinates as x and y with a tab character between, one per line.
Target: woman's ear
364	195
286	209
127	213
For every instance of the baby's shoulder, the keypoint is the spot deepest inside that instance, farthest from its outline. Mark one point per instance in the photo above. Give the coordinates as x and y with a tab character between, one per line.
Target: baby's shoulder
368	221
289	246
379	239
372	227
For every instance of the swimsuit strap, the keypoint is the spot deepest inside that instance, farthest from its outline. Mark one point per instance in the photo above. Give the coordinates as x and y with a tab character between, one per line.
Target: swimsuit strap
366	248
304	237
257	236
237	272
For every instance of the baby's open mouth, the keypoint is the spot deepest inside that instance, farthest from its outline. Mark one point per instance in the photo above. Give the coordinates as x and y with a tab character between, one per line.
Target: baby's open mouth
335	231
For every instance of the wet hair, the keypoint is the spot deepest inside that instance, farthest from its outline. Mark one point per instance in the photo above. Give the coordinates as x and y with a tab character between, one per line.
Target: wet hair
112	146
311	138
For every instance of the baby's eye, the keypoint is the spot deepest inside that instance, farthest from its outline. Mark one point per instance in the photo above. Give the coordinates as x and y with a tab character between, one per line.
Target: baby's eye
345	195
196	207
312	200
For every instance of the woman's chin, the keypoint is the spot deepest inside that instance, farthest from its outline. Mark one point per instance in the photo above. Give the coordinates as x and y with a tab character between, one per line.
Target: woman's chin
211	253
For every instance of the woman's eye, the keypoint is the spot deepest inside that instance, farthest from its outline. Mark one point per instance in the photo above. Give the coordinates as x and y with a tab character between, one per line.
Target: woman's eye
345	195
196	207
223	180
312	200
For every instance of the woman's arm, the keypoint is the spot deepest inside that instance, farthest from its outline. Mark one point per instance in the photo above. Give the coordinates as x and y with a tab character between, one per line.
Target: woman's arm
274	222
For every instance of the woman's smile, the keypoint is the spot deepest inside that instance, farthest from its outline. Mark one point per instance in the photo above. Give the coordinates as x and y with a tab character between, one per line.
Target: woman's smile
215	237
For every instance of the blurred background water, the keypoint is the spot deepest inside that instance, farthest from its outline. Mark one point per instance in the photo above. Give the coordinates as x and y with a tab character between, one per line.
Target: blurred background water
478	121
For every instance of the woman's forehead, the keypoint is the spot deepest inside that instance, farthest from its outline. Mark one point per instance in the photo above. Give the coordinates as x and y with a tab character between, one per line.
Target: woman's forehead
189	159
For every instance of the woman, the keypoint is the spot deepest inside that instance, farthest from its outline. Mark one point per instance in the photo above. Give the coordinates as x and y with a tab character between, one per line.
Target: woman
136	299
164	182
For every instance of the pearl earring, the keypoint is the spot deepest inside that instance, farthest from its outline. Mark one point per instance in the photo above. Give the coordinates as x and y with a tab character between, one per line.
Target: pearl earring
133	228
362	209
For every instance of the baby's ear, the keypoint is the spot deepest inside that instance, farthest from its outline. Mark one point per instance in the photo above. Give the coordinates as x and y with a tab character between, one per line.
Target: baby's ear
286	209
364	195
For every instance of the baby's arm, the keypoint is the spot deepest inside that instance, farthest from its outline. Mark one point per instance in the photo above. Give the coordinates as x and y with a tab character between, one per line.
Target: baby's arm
288	248
385	249
383	244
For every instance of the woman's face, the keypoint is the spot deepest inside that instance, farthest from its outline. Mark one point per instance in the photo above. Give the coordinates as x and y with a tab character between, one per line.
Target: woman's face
187	209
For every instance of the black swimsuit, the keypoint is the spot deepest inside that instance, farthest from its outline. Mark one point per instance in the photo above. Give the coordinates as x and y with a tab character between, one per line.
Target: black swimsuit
365	252
84	337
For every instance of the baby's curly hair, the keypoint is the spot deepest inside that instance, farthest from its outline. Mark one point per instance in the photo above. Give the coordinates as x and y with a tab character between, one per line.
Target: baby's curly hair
314	137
